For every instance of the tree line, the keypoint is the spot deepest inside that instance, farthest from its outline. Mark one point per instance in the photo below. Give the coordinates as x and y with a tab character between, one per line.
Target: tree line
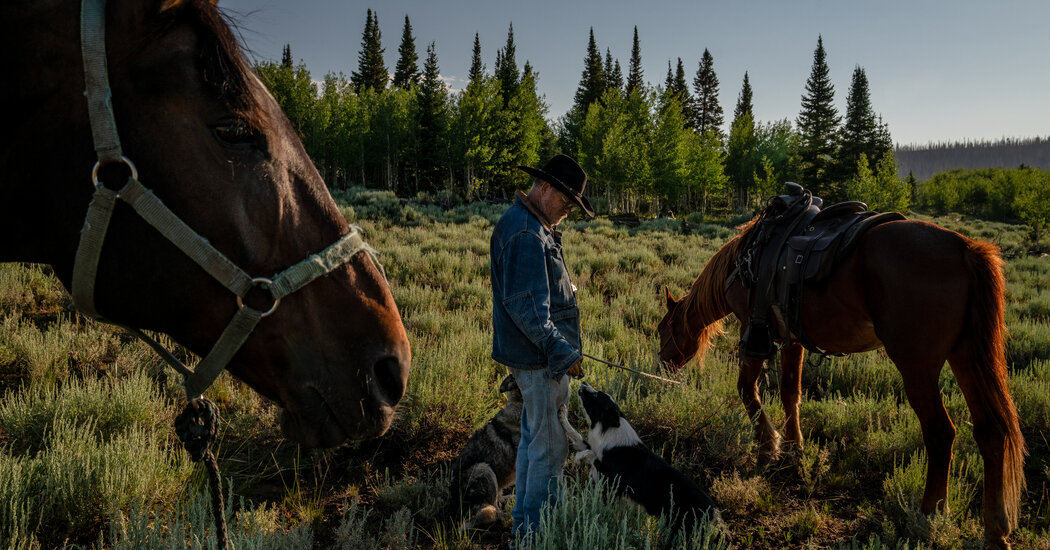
646	148
926	160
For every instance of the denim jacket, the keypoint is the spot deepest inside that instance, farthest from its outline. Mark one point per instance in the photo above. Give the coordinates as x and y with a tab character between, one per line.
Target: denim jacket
535	320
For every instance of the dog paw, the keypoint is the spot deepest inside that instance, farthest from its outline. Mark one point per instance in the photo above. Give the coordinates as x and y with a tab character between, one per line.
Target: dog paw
586	455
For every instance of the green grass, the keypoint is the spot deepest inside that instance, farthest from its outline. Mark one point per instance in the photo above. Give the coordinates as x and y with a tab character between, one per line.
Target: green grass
88	456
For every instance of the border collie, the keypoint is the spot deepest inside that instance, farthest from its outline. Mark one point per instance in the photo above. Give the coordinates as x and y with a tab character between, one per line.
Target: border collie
614	451
486	465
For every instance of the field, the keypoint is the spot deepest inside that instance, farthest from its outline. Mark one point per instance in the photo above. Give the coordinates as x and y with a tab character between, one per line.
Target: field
89	458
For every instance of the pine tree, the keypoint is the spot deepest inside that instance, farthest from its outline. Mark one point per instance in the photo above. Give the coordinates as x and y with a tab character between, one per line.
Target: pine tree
613	76
507	67
371	72
432	100
406	72
634	70
592	81
817	125
681	92
743	101
859	134
708	112
286	57
476	68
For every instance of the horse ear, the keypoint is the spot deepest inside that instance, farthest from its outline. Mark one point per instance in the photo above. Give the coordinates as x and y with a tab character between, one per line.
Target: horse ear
670	299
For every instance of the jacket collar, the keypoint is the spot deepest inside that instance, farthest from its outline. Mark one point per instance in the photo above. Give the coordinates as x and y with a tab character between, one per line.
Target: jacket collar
535	210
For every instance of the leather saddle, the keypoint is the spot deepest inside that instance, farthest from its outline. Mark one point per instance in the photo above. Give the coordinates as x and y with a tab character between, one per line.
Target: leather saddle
796	243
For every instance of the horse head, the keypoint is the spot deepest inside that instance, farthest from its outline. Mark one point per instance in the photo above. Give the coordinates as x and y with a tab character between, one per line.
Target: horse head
677	345
212	144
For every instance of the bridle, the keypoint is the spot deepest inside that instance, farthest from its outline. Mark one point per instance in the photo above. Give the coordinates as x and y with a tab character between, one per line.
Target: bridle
154	212
681	358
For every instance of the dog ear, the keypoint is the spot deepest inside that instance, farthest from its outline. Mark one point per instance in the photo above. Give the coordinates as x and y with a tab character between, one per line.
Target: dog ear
508	384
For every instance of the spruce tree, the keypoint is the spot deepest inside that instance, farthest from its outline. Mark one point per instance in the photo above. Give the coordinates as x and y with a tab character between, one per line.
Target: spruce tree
613	76
476	67
817	125
432	100
681	92
708	112
406	72
634	69
371	72
859	132
592	81
507	67
743	101
286	57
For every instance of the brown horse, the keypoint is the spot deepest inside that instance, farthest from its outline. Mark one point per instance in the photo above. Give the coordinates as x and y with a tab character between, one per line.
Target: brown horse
214	146
926	295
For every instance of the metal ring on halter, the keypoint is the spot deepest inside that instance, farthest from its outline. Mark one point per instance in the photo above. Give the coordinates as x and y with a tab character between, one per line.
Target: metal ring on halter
125	160
268	283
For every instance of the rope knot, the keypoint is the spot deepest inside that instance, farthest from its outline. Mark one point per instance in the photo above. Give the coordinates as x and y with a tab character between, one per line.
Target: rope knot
197	426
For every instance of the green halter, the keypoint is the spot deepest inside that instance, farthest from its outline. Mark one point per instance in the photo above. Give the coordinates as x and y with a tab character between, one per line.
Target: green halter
154	212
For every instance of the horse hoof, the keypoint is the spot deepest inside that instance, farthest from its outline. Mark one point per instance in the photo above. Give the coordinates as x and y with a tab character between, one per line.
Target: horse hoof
993	542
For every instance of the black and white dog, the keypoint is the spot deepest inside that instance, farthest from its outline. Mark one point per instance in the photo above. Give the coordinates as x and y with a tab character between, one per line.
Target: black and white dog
486	465
615	451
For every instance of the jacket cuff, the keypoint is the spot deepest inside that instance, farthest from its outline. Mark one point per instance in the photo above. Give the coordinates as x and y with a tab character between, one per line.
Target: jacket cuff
561	357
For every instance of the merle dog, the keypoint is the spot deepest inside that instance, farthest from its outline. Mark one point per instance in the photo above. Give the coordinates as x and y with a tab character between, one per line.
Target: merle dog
486	466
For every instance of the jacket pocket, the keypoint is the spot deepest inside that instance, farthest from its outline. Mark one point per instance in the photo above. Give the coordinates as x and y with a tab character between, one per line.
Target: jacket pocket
522	310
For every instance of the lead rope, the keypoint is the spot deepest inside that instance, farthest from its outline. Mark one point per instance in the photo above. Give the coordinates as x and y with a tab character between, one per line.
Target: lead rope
197	427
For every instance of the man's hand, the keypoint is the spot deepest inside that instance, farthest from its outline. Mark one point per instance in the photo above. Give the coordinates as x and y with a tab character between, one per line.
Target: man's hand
576	370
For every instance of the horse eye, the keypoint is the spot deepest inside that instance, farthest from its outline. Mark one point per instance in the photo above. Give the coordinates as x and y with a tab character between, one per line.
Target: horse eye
236	133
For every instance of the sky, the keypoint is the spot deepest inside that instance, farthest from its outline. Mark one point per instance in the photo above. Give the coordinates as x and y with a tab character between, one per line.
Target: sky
937	70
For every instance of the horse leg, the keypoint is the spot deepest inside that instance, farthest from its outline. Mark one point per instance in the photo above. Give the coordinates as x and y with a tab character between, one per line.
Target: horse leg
938	432
992	442
747	386
791	391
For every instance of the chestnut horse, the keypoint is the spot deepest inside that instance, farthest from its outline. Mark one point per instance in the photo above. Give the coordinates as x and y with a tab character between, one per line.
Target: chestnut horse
923	293
212	144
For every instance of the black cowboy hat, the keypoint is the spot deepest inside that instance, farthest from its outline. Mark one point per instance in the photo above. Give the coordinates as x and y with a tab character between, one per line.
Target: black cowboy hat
566	176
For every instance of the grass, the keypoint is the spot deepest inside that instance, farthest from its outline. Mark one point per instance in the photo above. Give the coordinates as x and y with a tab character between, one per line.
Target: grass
88	456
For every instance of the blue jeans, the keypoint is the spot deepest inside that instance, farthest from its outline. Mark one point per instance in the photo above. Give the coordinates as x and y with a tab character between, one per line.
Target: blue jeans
543	447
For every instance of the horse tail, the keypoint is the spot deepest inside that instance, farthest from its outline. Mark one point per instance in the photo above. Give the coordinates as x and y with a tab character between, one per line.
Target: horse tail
986	336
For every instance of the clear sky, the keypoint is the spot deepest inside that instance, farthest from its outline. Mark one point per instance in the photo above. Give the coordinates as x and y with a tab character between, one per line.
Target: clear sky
937	70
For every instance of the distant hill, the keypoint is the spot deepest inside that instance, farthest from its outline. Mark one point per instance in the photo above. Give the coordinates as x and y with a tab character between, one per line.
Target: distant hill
926	160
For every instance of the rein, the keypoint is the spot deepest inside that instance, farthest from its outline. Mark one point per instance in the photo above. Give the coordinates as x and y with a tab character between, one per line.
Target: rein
197	425
629	369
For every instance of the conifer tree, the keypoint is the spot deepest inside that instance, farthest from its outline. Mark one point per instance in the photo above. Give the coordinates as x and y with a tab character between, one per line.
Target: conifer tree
635	81
432	100
286	57
859	134
743	101
477	69
592	81
676	87
406	72
681	92
613	76
507	67
818	125
371	72
708	112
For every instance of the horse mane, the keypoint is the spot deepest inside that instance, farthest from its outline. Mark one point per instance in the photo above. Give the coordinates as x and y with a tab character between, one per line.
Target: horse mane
706	303
225	67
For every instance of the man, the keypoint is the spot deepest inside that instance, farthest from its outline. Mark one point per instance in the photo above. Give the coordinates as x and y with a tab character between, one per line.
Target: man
536	326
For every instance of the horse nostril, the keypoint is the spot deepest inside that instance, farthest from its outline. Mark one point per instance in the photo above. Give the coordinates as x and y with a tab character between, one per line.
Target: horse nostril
389	375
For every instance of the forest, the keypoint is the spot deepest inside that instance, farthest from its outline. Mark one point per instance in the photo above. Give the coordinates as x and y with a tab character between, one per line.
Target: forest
648	149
